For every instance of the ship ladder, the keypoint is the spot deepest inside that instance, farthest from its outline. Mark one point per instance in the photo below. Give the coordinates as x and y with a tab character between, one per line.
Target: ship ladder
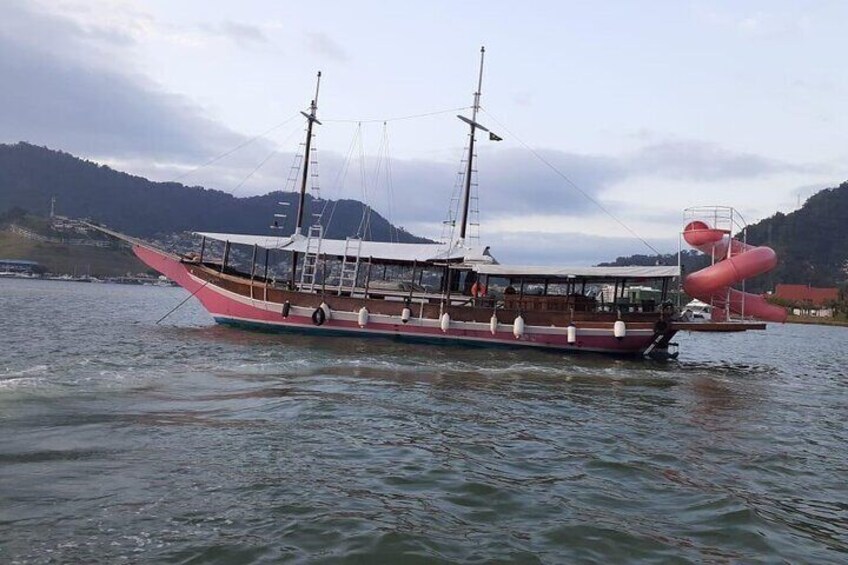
350	264
310	258
658	349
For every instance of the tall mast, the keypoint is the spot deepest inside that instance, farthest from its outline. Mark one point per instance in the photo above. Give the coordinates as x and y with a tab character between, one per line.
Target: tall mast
470	165
310	120
301	202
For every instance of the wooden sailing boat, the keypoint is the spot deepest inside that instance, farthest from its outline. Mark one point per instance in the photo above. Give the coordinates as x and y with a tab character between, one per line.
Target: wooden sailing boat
333	287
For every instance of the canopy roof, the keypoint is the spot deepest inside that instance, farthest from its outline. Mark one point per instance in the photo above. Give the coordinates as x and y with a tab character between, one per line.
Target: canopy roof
556	272
263	241
375	250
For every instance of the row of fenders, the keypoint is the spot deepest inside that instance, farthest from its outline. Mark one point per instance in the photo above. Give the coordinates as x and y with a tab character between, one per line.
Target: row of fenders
324	313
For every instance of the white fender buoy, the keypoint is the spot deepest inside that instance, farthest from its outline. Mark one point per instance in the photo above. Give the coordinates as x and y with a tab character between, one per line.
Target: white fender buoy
571	333
326	310
363	317
619	330
405	314
445	322
493	324
518	327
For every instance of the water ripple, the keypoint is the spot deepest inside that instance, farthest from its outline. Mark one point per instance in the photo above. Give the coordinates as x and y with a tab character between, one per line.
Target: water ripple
189	442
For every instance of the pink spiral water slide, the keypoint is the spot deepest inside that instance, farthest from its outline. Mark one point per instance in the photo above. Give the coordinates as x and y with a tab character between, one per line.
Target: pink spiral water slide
713	284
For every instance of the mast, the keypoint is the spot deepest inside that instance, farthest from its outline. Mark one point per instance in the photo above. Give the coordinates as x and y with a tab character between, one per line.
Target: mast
311	120
470	165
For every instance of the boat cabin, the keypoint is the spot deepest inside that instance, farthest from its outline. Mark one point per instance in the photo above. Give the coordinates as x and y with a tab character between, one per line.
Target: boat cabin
578	289
434	278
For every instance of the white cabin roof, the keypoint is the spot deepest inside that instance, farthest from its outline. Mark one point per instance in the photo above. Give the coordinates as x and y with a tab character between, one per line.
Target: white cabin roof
378	250
263	241
557	272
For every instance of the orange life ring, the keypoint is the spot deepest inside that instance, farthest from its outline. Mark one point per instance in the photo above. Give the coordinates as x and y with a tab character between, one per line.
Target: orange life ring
478	290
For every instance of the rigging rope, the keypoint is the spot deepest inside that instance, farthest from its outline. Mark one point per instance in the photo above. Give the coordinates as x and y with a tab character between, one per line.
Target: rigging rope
340	179
385	159
253	172
397	118
234	149
572	183
450	224
365	223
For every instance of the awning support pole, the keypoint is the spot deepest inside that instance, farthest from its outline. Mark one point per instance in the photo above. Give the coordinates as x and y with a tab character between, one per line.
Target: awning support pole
253	268
226	257
265	276
368	276
412	281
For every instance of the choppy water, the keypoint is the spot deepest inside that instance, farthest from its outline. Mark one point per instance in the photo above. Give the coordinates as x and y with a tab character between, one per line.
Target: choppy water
124	441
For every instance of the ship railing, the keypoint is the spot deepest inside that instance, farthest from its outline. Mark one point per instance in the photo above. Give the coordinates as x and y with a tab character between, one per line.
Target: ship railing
725	218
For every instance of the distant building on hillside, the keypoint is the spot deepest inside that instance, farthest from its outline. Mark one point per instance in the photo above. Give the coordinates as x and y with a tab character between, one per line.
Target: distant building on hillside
64	224
808	300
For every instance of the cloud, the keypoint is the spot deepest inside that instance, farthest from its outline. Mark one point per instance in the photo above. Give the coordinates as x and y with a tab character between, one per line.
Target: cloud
29	28
510	181
242	34
698	160
127	23
62	88
777	24
322	44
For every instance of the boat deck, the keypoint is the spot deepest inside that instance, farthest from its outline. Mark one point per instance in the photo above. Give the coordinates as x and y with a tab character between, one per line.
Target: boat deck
708	326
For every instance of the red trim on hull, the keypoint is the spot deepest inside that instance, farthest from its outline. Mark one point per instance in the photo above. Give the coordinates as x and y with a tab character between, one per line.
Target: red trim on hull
219	305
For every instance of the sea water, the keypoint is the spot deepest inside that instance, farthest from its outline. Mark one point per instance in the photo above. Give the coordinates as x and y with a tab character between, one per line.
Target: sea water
126	441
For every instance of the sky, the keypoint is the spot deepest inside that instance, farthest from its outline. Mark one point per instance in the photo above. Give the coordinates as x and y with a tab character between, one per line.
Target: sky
615	116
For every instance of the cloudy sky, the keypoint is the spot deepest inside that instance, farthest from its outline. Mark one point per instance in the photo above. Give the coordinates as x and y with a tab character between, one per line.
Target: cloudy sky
647	107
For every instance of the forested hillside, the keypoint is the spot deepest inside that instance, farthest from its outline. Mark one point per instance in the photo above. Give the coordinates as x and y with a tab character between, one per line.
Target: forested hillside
30	176
811	243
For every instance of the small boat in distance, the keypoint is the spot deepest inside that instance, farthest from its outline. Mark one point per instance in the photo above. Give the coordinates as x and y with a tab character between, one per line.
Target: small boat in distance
454	291
697	310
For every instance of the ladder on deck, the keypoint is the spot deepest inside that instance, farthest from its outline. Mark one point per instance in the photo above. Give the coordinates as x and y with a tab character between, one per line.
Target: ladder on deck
350	264
310	258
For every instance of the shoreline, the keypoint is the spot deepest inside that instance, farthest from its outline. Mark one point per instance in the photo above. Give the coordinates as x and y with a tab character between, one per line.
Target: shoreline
816	321
130	280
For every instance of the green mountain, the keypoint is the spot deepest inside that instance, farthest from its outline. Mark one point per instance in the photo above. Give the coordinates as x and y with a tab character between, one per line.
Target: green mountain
30	176
811	244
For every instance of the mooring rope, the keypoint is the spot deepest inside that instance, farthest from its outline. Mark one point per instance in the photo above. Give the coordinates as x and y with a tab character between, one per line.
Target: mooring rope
174	309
